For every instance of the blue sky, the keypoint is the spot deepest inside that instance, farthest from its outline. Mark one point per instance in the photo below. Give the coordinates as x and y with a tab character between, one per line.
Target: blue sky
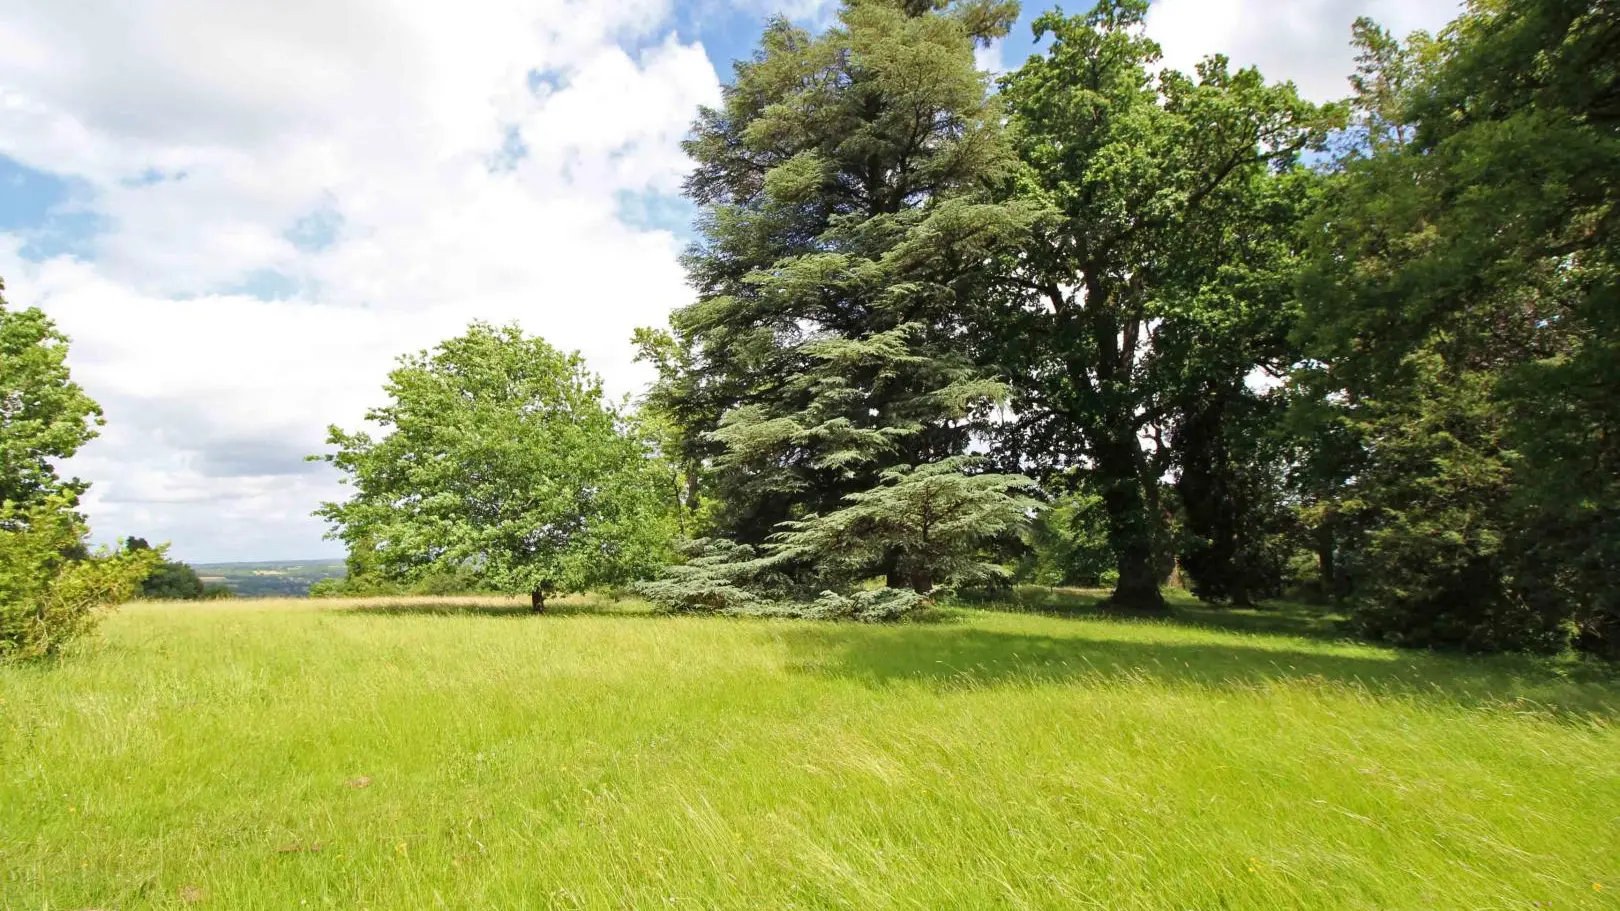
242	212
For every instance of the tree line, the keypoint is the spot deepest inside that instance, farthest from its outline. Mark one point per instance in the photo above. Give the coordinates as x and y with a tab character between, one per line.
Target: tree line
1091	322
1365	349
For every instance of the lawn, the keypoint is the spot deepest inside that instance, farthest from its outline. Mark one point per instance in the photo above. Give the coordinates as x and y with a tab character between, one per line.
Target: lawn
298	754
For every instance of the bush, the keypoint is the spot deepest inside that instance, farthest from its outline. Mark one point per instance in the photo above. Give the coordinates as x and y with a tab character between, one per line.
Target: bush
718	577
172	581
722	577
48	597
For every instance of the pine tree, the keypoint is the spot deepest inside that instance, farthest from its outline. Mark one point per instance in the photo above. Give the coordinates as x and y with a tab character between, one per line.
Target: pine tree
843	226
933	521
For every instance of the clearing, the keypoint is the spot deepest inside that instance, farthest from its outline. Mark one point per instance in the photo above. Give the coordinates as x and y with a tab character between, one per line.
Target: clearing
460	753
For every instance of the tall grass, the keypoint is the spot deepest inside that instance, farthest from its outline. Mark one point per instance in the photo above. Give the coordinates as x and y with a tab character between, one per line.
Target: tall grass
459	754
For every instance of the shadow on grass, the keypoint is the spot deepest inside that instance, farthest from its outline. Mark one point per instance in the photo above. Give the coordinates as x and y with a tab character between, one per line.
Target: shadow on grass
950	657
1273	617
956	655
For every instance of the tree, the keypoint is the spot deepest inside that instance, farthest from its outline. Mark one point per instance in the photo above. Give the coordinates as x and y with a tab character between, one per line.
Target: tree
1148	183
1238	524
51	585
1067	543
169	580
1465	278
499	455
844	225
48	595
44	415
931	523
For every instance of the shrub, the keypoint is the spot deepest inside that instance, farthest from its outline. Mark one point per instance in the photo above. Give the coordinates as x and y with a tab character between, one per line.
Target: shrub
48	597
722	577
718	577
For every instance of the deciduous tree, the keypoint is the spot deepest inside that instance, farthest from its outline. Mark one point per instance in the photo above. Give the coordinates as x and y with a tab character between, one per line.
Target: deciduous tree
498	454
1157	187
44	415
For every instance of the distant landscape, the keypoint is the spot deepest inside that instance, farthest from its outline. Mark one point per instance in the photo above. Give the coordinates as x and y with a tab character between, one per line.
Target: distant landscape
272	578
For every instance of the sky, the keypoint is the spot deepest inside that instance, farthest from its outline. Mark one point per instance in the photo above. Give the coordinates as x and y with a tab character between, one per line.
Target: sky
243	212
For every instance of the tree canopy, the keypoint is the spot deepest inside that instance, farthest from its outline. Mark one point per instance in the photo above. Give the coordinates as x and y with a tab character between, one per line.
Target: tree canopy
1462	292
52	587
497	453
1093	322
44	415
1364	351
1158	277
844	222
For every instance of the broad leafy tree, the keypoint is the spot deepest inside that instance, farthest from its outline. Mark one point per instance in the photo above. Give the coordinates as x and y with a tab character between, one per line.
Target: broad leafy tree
1462	296
1239	524
44	415
497	454
52	587
170	580
1067	543
1168	196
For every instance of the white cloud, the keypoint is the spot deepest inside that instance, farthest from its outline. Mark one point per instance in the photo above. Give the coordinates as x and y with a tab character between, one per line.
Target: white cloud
206	132
991	57
1307	41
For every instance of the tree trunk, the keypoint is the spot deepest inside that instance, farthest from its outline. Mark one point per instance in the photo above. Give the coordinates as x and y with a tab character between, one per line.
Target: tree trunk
537	601
1326	567
1130	529
922	583
892	576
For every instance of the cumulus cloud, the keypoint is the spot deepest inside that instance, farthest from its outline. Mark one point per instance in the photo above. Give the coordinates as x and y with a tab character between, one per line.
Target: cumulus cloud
1306	41
287	194
293	193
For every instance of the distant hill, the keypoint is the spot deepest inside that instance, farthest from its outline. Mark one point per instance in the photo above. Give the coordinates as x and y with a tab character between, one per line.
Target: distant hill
272	578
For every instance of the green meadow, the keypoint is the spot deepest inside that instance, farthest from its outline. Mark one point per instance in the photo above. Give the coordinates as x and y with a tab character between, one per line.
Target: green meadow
460	753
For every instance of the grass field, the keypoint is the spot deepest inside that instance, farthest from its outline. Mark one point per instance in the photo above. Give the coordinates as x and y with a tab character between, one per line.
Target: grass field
412	755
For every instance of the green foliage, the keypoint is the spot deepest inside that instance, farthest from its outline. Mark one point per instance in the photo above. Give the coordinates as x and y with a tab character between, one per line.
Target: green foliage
1433	522
44	415
729	579
1158	275
926	526
456	580
48	597
170	580
499	458
929	525
1464	281
366	577
1067	544
51	586
844	226
1239	528
718	576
